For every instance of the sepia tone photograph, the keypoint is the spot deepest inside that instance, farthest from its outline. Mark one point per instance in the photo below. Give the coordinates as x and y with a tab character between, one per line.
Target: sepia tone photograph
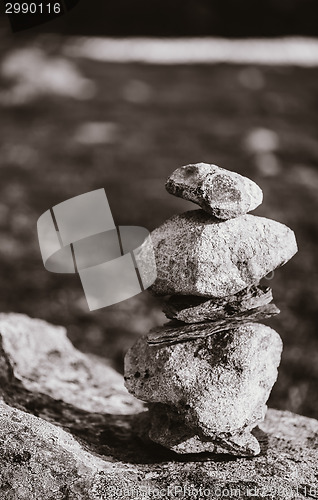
158	251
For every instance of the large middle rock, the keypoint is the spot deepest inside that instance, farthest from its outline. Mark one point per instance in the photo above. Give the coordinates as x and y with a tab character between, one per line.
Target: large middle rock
196	255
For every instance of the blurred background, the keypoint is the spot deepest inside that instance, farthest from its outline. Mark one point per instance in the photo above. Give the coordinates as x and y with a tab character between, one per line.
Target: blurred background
80	111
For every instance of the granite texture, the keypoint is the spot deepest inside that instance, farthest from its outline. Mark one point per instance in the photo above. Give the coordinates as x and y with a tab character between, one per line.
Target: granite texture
221	193
177	331
51	449
195	255
217	384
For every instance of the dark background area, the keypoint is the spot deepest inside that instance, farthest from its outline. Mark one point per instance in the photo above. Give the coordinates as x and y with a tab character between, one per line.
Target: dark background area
228	18
172	18
260	121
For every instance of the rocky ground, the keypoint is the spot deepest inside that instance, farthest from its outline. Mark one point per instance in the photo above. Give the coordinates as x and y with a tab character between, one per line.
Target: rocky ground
68	431
126	127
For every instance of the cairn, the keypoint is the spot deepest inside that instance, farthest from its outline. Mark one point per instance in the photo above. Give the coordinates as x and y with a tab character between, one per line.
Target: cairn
207	374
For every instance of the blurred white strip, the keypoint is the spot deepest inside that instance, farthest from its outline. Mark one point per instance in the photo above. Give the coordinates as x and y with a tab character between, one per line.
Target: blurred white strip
279	51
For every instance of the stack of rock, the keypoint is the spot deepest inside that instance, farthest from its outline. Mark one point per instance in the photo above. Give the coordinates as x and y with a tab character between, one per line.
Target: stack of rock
208	373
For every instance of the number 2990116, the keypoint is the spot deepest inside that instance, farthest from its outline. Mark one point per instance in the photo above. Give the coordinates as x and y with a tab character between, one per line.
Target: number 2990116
33	8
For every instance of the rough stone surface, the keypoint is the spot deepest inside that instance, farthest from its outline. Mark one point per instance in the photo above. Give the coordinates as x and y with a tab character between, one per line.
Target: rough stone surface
52	450
165	426
41	461
221	193
197	256
40	357
219	384
197	309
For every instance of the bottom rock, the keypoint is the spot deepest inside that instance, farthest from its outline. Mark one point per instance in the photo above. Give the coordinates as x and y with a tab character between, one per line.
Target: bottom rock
167	428
86	448
215	387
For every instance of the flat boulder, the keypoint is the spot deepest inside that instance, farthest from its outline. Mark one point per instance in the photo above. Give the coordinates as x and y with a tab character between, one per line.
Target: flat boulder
38	357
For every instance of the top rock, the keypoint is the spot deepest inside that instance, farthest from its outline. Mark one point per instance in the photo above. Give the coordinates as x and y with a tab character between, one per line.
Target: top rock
221	193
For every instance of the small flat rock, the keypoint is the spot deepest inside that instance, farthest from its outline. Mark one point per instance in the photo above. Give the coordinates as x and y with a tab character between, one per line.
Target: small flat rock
176	331
195	255
41	461
221	193
196	309
219	384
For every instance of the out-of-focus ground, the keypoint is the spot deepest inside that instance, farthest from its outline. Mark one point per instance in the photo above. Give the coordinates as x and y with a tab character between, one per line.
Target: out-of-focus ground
71	124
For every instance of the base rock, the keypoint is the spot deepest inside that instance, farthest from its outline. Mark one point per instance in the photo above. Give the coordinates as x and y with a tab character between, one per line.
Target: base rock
219	384
195	309
50	449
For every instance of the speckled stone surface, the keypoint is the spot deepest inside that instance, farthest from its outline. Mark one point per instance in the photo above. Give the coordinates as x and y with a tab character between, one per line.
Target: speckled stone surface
176	331
221	193
218	384
51	449
165	426
197	256
39	357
